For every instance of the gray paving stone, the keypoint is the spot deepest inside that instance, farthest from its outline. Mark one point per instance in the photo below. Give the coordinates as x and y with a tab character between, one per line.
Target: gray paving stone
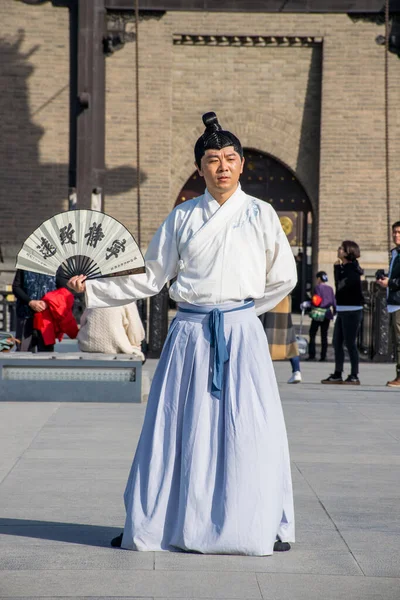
35	554
318	551
360	444
106	516
310	515
65	469
325	587
323	457
377	481
19	425
65	497
50	450
77	468
375	551
103	582
364	513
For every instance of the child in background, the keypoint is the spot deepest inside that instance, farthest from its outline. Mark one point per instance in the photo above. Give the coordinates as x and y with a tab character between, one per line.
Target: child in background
324	300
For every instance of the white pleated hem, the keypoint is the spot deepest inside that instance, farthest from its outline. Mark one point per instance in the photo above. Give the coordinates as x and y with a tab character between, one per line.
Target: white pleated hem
211	475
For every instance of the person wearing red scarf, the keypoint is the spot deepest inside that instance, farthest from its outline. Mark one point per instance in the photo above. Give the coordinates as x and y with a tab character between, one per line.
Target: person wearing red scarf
57	319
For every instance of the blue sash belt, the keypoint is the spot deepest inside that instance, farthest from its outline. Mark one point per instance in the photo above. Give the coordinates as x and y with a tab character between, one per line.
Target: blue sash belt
217	341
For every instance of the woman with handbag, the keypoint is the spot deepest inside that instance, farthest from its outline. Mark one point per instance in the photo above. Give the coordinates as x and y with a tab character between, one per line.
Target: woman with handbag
349	308
323	307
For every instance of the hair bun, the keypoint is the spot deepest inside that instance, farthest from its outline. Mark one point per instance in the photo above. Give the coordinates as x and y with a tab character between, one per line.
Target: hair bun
211	122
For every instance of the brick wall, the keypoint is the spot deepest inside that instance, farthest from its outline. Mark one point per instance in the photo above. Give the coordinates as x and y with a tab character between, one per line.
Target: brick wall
269	96
155	126
34	104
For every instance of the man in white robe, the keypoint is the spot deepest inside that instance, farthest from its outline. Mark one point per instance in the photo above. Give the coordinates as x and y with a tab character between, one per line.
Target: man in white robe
211	472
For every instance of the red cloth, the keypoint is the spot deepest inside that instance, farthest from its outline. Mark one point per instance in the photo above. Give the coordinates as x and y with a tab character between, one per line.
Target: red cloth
57	319
316	300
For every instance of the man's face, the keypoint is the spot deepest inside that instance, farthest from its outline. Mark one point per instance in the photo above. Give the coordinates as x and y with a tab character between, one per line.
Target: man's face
396	236
221	170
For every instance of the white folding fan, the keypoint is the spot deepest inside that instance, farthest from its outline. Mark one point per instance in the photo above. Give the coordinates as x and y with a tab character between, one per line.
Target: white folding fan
81	242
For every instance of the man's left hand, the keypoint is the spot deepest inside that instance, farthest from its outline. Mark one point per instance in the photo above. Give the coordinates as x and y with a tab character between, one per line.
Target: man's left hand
383	282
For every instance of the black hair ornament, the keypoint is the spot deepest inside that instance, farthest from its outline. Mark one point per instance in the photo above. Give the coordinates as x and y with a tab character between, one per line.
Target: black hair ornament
215	138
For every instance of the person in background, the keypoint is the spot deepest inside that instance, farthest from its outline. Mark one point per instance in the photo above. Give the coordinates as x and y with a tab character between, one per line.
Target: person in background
392	284
349	307
281	337
112	330
29	289
327	303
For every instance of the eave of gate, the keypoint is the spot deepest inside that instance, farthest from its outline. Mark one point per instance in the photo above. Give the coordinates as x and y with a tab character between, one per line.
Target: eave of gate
265	6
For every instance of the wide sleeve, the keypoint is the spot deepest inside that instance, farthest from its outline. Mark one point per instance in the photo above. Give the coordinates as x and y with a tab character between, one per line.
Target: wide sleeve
281	273
161	262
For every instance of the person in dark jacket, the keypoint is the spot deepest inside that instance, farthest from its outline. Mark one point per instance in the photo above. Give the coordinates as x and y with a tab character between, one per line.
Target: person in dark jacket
392	285
29	289
349	308
328	302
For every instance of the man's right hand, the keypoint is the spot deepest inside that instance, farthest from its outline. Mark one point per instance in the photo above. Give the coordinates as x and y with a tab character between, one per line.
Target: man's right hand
37	305
77	284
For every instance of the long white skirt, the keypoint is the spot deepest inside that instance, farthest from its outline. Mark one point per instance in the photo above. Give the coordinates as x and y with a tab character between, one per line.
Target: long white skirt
211	475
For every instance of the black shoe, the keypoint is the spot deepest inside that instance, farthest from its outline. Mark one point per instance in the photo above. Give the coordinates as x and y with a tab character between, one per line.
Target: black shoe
352	380
310	358
280	546
334	378
117	541
322	359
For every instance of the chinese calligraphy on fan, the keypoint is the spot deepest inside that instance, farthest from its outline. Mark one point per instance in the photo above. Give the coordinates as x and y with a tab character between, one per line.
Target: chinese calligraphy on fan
116	247
46	249
67	234
94	235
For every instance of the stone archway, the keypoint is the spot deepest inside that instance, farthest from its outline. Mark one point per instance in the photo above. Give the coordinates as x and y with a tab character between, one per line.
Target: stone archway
266	177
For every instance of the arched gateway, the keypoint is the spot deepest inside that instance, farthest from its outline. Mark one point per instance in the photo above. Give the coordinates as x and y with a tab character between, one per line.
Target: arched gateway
267	178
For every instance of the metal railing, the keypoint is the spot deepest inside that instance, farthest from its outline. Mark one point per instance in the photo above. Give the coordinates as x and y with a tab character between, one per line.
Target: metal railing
375	340
7	312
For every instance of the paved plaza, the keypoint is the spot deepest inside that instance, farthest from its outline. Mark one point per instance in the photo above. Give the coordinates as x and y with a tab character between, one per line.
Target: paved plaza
63	468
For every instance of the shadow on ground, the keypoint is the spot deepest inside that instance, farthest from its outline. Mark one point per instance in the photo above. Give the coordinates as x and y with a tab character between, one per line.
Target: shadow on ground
72	533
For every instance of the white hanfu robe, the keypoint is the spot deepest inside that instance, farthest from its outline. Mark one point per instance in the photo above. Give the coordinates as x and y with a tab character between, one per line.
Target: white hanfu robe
210	474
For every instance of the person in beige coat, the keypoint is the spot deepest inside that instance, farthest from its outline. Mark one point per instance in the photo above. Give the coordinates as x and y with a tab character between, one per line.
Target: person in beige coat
112	330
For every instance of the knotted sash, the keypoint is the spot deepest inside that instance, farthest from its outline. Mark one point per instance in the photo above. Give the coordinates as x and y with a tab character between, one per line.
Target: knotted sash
217	341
